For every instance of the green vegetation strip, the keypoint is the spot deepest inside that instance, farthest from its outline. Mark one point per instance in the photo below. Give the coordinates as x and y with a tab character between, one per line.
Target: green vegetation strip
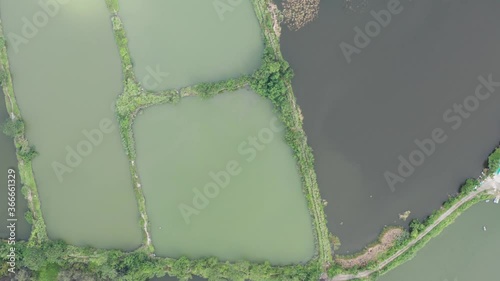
273	81
15	128
85	263
130	102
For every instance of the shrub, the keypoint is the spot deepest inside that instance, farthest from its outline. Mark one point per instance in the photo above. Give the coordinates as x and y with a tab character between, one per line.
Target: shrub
13	128
494	161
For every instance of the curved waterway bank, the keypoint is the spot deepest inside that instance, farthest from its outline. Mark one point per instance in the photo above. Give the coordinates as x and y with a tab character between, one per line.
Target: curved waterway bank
219	180
9	161
463	251
360	117
82	174
179	43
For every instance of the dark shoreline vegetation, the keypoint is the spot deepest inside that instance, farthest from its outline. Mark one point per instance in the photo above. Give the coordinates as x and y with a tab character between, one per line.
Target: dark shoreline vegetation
44	258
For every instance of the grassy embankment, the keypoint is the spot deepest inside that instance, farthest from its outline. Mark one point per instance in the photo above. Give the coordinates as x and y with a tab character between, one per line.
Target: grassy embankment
25	152
273	81
133	98
375	267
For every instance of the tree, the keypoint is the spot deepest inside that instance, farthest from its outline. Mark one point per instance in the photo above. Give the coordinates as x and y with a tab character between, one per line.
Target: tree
416	227
72	275
24	275
469	186
269	80
494	161
28	152
181	268
13	128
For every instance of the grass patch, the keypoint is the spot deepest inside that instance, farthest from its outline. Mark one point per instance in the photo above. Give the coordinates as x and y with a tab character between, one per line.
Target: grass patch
48	272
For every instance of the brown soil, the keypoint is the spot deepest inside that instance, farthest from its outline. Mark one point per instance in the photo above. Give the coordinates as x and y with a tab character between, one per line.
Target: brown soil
371	253
273	9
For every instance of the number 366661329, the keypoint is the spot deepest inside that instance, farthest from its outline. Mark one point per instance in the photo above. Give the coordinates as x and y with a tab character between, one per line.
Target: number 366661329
11	185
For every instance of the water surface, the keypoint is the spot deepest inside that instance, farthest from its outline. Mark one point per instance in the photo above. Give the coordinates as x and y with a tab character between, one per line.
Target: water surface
462	252
256	213
66	77
360	116
191	41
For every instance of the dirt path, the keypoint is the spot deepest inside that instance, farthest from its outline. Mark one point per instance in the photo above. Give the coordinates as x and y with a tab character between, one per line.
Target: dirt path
371	253
488	185
148	236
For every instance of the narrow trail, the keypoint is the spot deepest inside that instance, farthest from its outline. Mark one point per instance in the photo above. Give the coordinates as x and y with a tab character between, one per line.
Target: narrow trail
148	236
488	185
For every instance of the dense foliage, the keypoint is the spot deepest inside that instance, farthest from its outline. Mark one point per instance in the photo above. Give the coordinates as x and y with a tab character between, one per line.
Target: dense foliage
72	261
494	161
13	127
208	90
75	263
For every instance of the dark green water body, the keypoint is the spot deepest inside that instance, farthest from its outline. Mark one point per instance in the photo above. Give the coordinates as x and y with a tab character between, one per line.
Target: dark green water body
360	116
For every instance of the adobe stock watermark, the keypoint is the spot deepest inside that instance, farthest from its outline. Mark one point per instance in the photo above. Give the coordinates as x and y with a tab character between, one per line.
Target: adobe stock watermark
225	6
154	78
31	26
221	179
363	37
455	117
77	153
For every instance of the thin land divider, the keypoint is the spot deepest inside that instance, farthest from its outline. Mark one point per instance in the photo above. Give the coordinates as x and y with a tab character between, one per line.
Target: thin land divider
129	103
285	103
24	152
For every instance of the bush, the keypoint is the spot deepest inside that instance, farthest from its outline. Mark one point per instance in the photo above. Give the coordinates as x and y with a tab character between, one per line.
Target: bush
494	161
13	128
270	80
28	153
469	186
